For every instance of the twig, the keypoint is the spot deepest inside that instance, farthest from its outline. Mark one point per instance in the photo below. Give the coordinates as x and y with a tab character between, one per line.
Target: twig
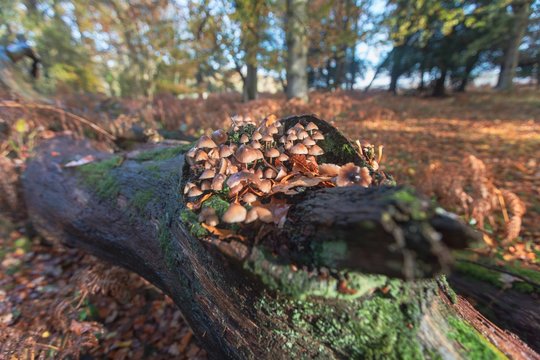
13	104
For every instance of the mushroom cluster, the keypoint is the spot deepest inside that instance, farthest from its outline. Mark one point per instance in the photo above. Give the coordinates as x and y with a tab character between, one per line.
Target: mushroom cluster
251	162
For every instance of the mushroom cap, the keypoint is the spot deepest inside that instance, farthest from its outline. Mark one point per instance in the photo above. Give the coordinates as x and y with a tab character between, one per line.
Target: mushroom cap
194	191
283	157
270	173
308	141
288	145
272	153
311	126
201	156
281	174
292	137
316	150
317	135
225	151
251	216
244	139
235	213
214	154
265	186
223	165
267	138
265	215
220	136
248	198
207	174
329	169
206	185
239	177
217	183
302	134
351	174
246	154
256	135
272	129
205	142
212	220
255	144
299	149
188	186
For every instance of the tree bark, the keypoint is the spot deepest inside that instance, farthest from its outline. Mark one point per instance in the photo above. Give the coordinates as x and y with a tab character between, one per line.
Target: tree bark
297	49
440	90
521	9
247	301
250	83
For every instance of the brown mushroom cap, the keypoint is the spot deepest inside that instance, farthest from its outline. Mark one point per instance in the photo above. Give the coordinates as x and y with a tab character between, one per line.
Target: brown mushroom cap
248	198
251	216
217	183
317	135
272	130
201	156
302	134
329	169
265	186
270	173
219	136
255	144
272	153
299	149
207	174
311	126
206	185
292	137
281	174
264	214
188	186
256	135
283	157
205	142
316	150
225	151
244	139
308	141
212	220
235	213
194	191
246	154
267	138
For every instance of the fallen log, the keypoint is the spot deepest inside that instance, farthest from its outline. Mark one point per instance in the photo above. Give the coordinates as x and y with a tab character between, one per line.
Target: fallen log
349	273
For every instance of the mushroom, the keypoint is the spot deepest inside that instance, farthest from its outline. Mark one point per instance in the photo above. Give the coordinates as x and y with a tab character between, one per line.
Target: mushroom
248	198
225	151
292	137
272	153
302	134
255	144
283	157
299	149
244	139
207	174
205	213
214	154
329	169
235	213
246	154
316	150
256	135
223	165
188	186
272	129
219	136
317	135
217	182
194	191
201	156
308	141
351	174
311	126
281	174
206	185
251	216
265	186
205	142
264	214
270	173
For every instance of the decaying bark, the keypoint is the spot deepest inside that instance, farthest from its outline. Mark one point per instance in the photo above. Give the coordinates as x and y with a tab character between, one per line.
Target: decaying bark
314	289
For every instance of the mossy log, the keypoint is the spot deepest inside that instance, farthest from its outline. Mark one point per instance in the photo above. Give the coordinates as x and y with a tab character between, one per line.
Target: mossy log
329	284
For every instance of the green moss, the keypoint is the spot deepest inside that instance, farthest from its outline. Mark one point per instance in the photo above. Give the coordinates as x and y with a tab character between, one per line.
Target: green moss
329	253
445	287
163	153
191	221
480	273
411	201
382	327
475	345
141	199
234	136
165	241
97	175
218	204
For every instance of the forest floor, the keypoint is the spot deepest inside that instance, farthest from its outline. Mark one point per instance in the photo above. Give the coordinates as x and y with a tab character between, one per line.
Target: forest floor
53	300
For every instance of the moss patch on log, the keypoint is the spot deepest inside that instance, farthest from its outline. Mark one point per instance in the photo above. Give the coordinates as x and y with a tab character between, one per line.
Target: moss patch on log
163	153
190	219
165	241
383	326
476	346
97	175
141	199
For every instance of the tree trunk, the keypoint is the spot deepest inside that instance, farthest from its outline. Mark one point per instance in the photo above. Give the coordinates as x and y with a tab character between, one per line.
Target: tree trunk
395	72
469	66
297	49
439	89
250	84
521	9
252	302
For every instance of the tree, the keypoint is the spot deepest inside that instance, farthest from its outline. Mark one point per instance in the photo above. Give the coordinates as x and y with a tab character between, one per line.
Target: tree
297	49
520	17
287	293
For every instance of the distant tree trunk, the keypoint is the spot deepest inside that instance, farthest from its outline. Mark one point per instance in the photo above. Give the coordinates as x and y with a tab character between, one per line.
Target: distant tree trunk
521	9
250	85
439	89
395	72
469	66
297	49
